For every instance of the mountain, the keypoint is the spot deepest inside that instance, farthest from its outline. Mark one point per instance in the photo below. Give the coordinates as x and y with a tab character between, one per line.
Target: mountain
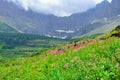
115	7
98	27
50	25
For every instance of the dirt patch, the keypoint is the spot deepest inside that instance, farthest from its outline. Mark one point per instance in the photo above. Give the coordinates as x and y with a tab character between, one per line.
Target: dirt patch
118	28
116	35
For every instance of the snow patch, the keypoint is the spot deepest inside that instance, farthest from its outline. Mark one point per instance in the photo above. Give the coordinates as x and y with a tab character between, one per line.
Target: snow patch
105	19
64	31
48	35
64	37
118	15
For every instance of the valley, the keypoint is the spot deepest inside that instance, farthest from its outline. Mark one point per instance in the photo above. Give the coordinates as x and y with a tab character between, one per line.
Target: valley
30	22
13	45
96	58
44	46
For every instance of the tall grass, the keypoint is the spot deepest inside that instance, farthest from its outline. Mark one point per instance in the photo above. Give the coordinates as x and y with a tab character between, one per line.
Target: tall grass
98	61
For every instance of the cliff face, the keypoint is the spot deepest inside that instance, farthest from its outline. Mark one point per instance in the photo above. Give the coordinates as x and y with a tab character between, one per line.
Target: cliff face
102	10
115	7
115	4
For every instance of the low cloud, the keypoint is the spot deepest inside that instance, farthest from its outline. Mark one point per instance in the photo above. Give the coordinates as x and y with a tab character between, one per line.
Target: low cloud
57	7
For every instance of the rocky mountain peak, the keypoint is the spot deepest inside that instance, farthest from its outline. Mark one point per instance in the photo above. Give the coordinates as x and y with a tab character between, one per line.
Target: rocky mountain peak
105	0
104	3
115	3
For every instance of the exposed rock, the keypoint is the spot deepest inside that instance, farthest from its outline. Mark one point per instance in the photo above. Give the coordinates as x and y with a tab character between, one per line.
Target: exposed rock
102	38
116	35
118	28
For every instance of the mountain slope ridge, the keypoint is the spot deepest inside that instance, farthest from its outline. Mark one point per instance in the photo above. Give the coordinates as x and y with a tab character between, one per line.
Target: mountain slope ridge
5	28
34	23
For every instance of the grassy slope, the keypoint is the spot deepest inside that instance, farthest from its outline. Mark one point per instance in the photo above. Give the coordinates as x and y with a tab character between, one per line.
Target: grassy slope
17	45
18	24
13	22
111	24
98	60
6	28
103	28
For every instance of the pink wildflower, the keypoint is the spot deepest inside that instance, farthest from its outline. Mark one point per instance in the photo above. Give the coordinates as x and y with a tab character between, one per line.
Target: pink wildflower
66	66
103	47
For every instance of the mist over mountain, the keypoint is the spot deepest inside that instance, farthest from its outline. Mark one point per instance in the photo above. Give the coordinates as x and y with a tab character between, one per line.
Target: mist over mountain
56	7
50	25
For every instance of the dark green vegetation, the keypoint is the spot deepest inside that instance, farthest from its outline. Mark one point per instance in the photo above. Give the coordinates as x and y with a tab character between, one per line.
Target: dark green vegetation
92	59
16	45
6	28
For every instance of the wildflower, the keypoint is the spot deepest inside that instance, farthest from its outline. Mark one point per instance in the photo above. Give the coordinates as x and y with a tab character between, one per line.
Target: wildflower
74	59
94	41
92	55
110	39
103	47
66	66
117	66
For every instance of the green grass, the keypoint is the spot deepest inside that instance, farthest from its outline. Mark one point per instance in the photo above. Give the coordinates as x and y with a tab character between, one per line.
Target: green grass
25	45
6	28
95	60
99	61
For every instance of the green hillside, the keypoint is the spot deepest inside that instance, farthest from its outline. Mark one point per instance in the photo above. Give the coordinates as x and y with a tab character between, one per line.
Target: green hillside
105	27
6	28
13	45
98	27
92	59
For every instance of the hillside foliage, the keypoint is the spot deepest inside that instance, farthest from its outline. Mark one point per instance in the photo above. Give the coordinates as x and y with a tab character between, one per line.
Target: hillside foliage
92	59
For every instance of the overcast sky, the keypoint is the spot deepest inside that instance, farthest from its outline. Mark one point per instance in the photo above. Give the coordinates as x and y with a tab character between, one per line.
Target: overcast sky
57	7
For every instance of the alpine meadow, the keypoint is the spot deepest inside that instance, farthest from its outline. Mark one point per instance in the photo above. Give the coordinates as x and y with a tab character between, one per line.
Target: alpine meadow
59	40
